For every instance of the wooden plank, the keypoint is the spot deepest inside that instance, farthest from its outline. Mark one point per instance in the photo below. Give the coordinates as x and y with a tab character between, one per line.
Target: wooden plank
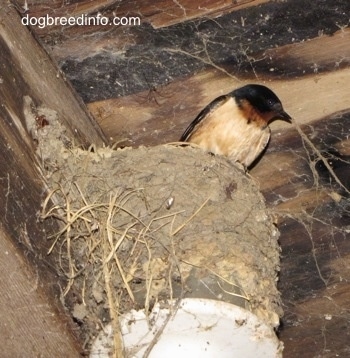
323	53
163	13
30	324
24	61
59	9
72	41
154	117
159	114
127	60
160	13
33	320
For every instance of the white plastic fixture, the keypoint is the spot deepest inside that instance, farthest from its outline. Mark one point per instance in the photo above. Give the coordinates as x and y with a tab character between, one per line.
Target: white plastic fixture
194	328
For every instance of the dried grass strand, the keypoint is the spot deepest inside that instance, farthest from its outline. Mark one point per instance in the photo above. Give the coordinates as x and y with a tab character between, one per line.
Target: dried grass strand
190	218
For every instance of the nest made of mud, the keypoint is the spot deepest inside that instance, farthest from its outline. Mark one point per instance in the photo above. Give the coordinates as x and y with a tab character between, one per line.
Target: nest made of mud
150	224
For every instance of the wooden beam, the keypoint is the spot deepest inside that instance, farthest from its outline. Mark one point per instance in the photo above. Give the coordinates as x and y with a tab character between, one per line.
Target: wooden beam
323	53
33	321
32	317
160	13
154	117
26	69
30	324
166	13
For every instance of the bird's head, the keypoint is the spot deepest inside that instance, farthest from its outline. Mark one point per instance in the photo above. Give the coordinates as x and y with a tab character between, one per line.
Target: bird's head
260	104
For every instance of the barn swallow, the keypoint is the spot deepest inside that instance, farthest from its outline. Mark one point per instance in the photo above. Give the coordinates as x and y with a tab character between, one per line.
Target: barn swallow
236	124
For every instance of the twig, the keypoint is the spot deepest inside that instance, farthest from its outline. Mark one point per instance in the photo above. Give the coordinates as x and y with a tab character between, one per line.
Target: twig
69	255
190	218
118	351
161	329
113	253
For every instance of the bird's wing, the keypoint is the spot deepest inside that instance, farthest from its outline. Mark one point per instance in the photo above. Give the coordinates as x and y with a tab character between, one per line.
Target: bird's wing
202	115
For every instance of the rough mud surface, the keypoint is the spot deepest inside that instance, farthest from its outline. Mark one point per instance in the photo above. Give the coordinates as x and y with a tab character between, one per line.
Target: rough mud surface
148	224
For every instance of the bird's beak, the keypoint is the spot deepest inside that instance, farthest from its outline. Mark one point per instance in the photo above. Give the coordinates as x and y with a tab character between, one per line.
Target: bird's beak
281	114
284	116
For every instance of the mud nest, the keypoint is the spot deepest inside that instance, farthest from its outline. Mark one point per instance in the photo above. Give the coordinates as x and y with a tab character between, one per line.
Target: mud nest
144	225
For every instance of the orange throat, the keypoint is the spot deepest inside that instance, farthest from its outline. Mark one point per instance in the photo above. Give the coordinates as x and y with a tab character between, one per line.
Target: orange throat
260	119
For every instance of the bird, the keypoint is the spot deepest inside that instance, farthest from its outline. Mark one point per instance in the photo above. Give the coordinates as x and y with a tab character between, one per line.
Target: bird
236	125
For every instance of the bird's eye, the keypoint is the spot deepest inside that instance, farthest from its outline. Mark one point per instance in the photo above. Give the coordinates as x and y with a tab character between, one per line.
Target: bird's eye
270	102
